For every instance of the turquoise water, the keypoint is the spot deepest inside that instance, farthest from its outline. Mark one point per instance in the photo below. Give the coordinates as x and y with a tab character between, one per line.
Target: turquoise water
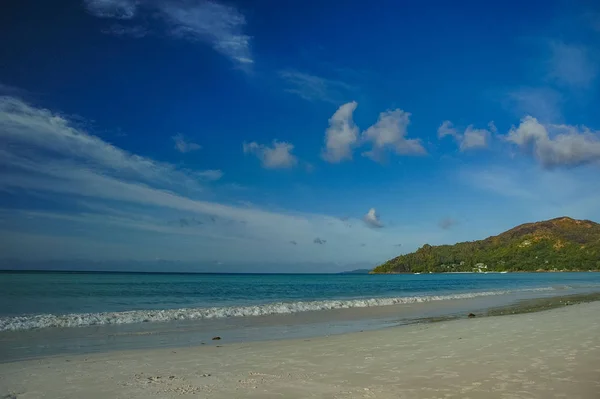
36	300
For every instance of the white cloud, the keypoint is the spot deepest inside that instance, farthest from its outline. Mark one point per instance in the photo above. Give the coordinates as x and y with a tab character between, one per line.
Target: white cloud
278	156
372	218
557	145
341	135
120	9
125	202
474	138
447	129
314	88
389	134
571	65
219	25
184	146
470	139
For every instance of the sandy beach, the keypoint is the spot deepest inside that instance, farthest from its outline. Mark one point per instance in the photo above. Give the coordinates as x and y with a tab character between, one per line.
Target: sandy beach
550	354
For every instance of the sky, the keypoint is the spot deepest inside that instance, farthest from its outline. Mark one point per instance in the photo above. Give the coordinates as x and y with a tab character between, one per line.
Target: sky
308	135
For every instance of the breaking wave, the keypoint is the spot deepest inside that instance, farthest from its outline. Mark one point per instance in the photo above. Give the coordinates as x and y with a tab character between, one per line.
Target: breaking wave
29	322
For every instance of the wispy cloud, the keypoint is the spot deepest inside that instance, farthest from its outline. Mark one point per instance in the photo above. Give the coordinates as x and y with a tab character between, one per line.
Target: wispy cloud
564	70
315	88
123	30
543	103
119	9
277	156
106	192
471	138
46	135
8	90
219	25
539	193
496	180
571	65
210	175
593	20
182	145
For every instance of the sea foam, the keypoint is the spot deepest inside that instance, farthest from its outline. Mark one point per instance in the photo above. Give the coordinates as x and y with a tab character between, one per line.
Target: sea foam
29	322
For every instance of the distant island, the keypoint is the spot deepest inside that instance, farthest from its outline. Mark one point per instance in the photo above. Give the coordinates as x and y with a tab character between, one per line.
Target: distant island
357	271
561	244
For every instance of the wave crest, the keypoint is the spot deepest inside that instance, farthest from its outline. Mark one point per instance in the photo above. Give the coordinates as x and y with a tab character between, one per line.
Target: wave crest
16	323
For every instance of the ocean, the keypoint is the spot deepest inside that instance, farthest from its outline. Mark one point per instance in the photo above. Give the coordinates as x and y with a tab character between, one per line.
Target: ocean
46	311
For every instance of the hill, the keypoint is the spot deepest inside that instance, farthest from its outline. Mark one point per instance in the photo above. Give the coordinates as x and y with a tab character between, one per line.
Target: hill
561	244
357	271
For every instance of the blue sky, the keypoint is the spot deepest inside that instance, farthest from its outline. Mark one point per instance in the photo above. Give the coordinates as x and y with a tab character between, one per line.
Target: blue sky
258	132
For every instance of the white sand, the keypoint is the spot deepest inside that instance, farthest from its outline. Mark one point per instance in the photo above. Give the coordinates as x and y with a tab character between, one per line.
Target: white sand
553	354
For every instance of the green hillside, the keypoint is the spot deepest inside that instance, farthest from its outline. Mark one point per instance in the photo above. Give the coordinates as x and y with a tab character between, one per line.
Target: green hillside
553	245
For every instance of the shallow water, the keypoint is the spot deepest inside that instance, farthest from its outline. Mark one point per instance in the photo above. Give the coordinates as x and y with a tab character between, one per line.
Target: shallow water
52	313
28	300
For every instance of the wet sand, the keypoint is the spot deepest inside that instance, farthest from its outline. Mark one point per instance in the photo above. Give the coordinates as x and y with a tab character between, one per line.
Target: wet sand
549	354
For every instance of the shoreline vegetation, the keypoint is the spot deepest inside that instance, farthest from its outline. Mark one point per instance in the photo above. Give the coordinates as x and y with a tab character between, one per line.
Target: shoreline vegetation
557	245
496	272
